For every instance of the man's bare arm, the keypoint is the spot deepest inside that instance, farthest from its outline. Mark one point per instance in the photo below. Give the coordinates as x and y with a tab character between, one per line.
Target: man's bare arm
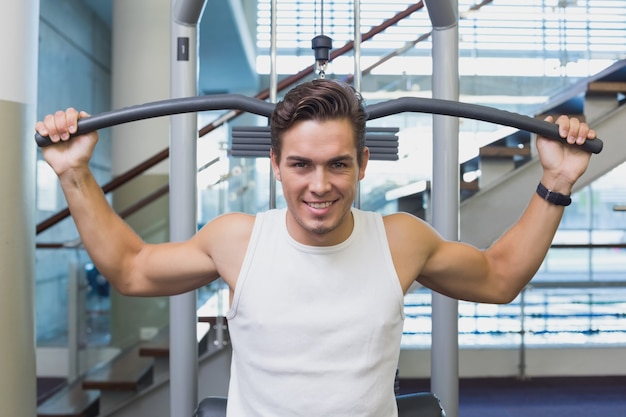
132	266
499	273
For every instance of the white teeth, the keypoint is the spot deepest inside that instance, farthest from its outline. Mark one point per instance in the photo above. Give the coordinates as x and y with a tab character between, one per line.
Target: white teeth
320	205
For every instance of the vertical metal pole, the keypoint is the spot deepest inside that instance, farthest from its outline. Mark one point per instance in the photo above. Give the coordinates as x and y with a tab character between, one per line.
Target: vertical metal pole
522	332
273	48
445	199
357	45
273	88
73	326
357	72
183	196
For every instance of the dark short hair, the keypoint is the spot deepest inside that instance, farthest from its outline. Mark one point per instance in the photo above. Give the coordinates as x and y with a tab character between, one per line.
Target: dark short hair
320	99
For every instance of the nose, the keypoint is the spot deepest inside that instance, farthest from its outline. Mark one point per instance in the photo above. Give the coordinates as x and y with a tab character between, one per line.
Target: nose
320	181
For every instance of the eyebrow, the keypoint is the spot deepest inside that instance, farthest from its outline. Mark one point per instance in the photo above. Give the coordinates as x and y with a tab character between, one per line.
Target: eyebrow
340	158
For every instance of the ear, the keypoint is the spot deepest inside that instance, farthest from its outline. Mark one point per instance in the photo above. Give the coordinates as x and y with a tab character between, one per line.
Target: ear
365	159
275	167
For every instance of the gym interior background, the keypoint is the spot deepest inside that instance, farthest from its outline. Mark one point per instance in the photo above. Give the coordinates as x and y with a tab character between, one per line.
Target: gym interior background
543	58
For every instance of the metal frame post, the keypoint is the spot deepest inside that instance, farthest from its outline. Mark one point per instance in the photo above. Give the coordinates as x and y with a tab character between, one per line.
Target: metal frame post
445	198
183	359
357	72
273	88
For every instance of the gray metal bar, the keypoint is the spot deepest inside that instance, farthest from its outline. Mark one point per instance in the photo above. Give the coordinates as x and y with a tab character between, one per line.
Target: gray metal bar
183	358
273	90
475	112
522	333
357	45
445	199
443	14
357	73
187	12
173	106
74	317
374	111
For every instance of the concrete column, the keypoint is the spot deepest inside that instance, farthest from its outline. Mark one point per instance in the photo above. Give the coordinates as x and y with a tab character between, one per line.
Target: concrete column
19	28
140	73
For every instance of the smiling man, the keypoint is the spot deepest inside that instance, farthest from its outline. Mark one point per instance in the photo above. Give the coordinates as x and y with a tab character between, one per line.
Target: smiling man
318	170
316	288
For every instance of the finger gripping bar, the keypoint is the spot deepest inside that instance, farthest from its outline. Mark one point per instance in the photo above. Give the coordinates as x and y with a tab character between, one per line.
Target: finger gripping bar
262	108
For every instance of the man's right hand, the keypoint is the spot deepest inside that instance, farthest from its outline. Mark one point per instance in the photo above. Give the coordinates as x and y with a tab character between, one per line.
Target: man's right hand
64	154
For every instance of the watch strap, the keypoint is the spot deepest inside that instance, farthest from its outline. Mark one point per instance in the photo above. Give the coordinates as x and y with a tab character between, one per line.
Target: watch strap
553	197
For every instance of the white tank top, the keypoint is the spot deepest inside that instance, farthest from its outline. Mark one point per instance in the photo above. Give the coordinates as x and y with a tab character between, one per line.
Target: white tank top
315	330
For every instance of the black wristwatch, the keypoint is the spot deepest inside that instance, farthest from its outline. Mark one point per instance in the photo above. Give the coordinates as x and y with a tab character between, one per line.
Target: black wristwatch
553	197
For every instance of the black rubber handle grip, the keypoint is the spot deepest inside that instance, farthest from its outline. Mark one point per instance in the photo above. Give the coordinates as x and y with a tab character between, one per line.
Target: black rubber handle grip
476	112
167	108
375	111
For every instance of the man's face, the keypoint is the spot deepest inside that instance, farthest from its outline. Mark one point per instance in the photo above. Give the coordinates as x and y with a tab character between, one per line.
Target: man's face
319	175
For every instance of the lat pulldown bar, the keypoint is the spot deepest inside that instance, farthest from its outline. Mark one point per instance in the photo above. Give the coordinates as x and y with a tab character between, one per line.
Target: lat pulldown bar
375	111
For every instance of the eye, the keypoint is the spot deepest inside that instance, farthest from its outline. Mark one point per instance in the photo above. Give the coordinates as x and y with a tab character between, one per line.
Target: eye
339	165
299	165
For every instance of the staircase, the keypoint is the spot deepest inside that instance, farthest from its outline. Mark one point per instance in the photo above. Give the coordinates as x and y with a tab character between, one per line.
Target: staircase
136	381
508	194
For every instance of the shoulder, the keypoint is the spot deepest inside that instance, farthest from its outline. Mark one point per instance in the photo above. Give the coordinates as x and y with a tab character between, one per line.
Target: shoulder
236	217
225	240
405	230
412	242
227	228
232	223
403	220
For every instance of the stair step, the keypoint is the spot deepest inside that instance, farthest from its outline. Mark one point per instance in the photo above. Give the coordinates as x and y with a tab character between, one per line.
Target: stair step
127	372
469	185
607	87
159	346
503	151
71	401
48	386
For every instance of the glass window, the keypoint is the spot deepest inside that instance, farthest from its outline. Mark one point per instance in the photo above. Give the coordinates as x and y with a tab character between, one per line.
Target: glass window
514	64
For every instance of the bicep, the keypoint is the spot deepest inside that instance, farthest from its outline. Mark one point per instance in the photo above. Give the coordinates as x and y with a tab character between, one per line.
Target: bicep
217	250
172	268
456	270
463	272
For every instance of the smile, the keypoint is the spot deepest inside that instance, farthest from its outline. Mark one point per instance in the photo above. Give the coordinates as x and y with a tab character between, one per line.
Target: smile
320	205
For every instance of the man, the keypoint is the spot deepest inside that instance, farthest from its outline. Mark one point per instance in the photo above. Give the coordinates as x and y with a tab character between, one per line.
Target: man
317	288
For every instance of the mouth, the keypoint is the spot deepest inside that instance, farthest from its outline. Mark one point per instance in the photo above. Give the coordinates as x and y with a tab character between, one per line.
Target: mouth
320	205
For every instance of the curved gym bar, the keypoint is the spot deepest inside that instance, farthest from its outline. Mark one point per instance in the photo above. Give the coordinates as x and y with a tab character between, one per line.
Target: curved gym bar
476	112
167	108
375	111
